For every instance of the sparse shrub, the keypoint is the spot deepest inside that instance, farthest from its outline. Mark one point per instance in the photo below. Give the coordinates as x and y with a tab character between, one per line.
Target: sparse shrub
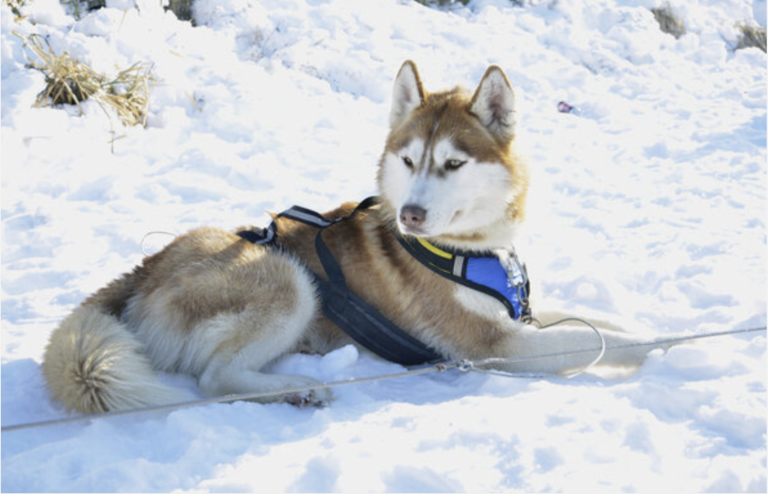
669	22
70	82
751	36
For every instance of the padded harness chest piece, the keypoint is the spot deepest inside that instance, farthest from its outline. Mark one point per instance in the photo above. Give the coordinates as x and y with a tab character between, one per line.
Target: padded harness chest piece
500	275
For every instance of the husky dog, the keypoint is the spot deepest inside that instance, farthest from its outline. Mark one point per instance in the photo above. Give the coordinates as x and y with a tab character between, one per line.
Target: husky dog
219	307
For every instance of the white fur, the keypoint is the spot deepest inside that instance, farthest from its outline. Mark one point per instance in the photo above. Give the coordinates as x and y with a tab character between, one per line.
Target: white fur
528	340
203	350
470	198
102	356
229	372
168	348
481	304
494	103
406	96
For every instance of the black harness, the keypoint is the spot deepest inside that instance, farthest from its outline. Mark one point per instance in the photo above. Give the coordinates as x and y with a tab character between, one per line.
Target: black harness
366	325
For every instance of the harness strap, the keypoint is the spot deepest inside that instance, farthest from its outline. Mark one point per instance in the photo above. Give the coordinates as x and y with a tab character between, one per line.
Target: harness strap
297	213
361	321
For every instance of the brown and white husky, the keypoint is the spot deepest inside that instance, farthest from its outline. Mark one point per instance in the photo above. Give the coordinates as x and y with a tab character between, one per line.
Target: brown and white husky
219	307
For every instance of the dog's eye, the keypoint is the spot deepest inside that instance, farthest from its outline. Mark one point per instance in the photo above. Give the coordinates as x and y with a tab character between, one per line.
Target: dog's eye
408	161
454	164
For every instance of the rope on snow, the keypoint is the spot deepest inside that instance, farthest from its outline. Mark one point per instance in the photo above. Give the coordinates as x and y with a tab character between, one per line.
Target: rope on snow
464	366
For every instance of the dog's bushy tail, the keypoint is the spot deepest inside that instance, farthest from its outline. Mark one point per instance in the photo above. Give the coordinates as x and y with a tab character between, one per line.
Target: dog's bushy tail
94	363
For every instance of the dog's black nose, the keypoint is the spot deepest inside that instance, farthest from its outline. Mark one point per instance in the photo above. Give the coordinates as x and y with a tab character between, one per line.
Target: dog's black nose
413	216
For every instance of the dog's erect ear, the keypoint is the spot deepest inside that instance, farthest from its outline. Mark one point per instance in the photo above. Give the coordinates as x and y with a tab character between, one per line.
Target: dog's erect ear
407	95
494	104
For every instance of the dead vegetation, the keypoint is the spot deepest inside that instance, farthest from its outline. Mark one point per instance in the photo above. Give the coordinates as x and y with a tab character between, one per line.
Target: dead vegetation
16	6
182	9
751	36
71	82
669	21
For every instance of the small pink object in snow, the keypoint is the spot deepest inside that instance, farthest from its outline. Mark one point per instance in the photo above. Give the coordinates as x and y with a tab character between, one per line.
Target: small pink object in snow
564	107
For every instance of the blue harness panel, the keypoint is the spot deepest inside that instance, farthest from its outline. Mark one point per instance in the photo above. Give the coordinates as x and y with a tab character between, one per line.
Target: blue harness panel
489	272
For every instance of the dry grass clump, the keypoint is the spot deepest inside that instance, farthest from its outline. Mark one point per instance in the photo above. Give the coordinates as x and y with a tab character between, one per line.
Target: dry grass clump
15	6
441	3
128	94
70	82
751	36
669	22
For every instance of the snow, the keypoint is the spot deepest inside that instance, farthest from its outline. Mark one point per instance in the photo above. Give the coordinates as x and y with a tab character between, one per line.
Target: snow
647	207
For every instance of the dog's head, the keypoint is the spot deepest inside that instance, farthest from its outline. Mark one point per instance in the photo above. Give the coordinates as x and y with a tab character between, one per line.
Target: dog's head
448	171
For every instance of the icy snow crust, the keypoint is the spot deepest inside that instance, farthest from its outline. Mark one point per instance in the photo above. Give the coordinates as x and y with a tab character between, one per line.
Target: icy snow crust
647	206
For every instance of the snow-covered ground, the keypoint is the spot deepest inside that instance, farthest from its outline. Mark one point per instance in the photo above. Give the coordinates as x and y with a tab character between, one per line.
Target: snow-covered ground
647	205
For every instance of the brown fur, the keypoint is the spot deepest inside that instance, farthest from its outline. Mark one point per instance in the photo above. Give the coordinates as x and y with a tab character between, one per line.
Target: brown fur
380	271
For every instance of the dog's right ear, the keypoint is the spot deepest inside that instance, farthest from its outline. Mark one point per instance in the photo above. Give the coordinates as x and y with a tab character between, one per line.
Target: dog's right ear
408	93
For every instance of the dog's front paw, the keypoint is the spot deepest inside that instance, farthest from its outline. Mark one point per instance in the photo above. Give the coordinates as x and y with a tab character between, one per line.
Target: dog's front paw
317	398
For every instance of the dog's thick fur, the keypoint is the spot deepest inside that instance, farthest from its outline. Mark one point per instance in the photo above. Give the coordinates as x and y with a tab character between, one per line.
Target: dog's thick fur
220	308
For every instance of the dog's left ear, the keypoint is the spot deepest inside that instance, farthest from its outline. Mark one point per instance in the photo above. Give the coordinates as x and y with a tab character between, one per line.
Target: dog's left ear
494	104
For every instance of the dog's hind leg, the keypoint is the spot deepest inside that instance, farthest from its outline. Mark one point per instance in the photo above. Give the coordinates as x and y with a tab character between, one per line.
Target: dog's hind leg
238	371
258	335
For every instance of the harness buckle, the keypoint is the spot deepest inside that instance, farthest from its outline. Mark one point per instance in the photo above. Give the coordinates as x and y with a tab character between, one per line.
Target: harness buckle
518	277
